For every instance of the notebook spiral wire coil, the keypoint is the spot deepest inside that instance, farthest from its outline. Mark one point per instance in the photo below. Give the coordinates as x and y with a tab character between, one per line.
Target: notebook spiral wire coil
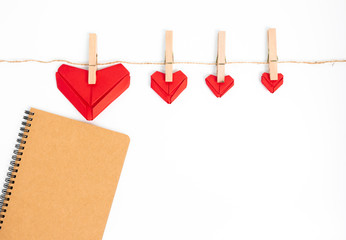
14	165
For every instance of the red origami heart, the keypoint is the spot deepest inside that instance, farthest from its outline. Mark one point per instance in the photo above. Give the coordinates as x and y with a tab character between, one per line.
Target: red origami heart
168	91
219	89
91	99
272	85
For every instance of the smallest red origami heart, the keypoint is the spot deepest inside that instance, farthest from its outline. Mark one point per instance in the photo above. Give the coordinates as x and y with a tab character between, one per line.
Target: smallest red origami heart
272	85
219	89
168	91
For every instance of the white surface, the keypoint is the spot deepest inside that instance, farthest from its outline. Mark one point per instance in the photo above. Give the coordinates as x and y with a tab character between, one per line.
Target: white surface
251	165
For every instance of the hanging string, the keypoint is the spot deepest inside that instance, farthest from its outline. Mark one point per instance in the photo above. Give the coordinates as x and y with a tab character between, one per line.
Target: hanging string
162	63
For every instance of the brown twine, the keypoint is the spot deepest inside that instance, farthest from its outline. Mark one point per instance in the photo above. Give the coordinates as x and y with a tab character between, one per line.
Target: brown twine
162	63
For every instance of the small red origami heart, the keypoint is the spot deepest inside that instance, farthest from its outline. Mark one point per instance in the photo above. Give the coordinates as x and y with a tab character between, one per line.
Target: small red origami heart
91	99
219	89
168	91
272	85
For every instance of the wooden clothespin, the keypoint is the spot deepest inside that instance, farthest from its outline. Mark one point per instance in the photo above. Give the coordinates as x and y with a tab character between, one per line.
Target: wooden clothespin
272	54
92	59
169	56
221	57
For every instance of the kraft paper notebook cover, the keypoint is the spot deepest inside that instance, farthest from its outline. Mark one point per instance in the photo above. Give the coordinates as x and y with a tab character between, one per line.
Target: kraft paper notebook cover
62	183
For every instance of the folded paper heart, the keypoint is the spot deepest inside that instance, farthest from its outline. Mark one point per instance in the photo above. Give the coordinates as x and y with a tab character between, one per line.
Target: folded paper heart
272	85
91	99
168	91
219	89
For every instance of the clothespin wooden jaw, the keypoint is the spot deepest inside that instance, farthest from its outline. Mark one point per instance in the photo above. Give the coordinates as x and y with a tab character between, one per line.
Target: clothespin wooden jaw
92	58
272	54
221	57
169	56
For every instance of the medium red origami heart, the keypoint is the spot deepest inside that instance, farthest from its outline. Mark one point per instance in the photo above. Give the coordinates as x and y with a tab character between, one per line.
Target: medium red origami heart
219	89
272	85
168	91
91	99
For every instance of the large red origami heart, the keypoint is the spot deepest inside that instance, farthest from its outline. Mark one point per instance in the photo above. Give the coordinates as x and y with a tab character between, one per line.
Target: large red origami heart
168	91
272	85
91	99
219	89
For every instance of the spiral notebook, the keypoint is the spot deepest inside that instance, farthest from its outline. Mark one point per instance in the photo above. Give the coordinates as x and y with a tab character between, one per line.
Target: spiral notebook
62	179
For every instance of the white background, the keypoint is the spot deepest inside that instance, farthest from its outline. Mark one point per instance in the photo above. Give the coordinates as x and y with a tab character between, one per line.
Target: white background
251	165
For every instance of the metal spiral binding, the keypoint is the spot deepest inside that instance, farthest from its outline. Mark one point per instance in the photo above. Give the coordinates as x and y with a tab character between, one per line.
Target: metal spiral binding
15	163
